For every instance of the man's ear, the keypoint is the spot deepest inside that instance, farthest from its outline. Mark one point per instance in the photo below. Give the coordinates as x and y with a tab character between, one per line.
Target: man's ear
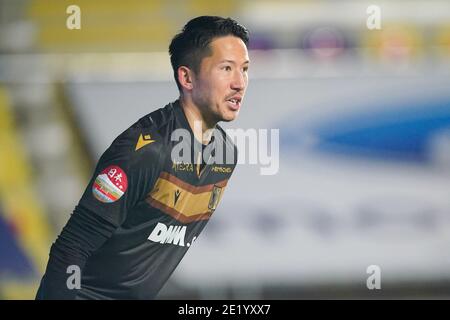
185	77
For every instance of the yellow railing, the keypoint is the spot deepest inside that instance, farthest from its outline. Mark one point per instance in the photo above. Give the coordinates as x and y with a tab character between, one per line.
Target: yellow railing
20	204
117	25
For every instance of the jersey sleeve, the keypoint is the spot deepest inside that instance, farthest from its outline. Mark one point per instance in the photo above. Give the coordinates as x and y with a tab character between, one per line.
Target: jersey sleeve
122	177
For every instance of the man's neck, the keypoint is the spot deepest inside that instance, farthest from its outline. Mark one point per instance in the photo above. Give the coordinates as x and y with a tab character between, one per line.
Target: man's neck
195	119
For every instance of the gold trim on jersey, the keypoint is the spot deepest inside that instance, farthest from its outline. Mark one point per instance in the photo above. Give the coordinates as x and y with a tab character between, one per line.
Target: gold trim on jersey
183	201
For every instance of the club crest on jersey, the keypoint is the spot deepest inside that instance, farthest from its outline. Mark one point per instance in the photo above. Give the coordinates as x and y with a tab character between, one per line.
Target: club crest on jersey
110	184
215	197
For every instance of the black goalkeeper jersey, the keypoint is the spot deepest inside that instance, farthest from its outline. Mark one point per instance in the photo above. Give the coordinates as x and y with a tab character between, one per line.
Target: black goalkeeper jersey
147	202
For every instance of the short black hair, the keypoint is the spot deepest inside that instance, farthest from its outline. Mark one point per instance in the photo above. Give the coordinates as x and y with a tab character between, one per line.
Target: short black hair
191	45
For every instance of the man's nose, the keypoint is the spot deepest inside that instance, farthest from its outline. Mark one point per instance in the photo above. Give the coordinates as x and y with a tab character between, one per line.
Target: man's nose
238	81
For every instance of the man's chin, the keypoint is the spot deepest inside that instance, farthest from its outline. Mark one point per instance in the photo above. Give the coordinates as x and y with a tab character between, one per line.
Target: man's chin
230	116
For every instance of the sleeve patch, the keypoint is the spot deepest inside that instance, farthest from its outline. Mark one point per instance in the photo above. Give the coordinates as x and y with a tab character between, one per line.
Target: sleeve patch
110	184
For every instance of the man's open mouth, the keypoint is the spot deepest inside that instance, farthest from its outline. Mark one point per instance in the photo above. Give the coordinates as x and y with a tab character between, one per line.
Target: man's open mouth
235	102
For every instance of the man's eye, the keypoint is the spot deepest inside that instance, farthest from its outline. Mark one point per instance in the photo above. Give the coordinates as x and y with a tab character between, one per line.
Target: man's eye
245	69
227	68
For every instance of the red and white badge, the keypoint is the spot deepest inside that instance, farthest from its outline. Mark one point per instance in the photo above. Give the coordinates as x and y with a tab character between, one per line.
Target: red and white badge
110	184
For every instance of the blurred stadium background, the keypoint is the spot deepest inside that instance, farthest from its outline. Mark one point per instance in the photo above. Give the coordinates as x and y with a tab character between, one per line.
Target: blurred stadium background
364	119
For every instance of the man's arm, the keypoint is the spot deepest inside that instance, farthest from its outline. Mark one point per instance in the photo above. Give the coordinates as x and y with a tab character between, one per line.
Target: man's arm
84	233
122	177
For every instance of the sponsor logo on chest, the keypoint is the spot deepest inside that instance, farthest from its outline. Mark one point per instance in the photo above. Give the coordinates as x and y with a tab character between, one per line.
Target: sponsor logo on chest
174	235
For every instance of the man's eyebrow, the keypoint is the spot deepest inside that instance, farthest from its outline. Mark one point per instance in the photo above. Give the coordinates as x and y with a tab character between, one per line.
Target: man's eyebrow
234	62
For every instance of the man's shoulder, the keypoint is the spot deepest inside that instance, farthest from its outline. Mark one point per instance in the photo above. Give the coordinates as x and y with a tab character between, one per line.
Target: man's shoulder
143	140
155	120
151	126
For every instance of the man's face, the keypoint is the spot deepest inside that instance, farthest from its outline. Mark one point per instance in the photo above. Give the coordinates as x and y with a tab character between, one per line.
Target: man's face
220	84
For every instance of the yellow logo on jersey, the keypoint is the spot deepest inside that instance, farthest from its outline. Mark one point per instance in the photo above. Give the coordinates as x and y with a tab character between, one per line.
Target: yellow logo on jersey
181	166
221	169
143	141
